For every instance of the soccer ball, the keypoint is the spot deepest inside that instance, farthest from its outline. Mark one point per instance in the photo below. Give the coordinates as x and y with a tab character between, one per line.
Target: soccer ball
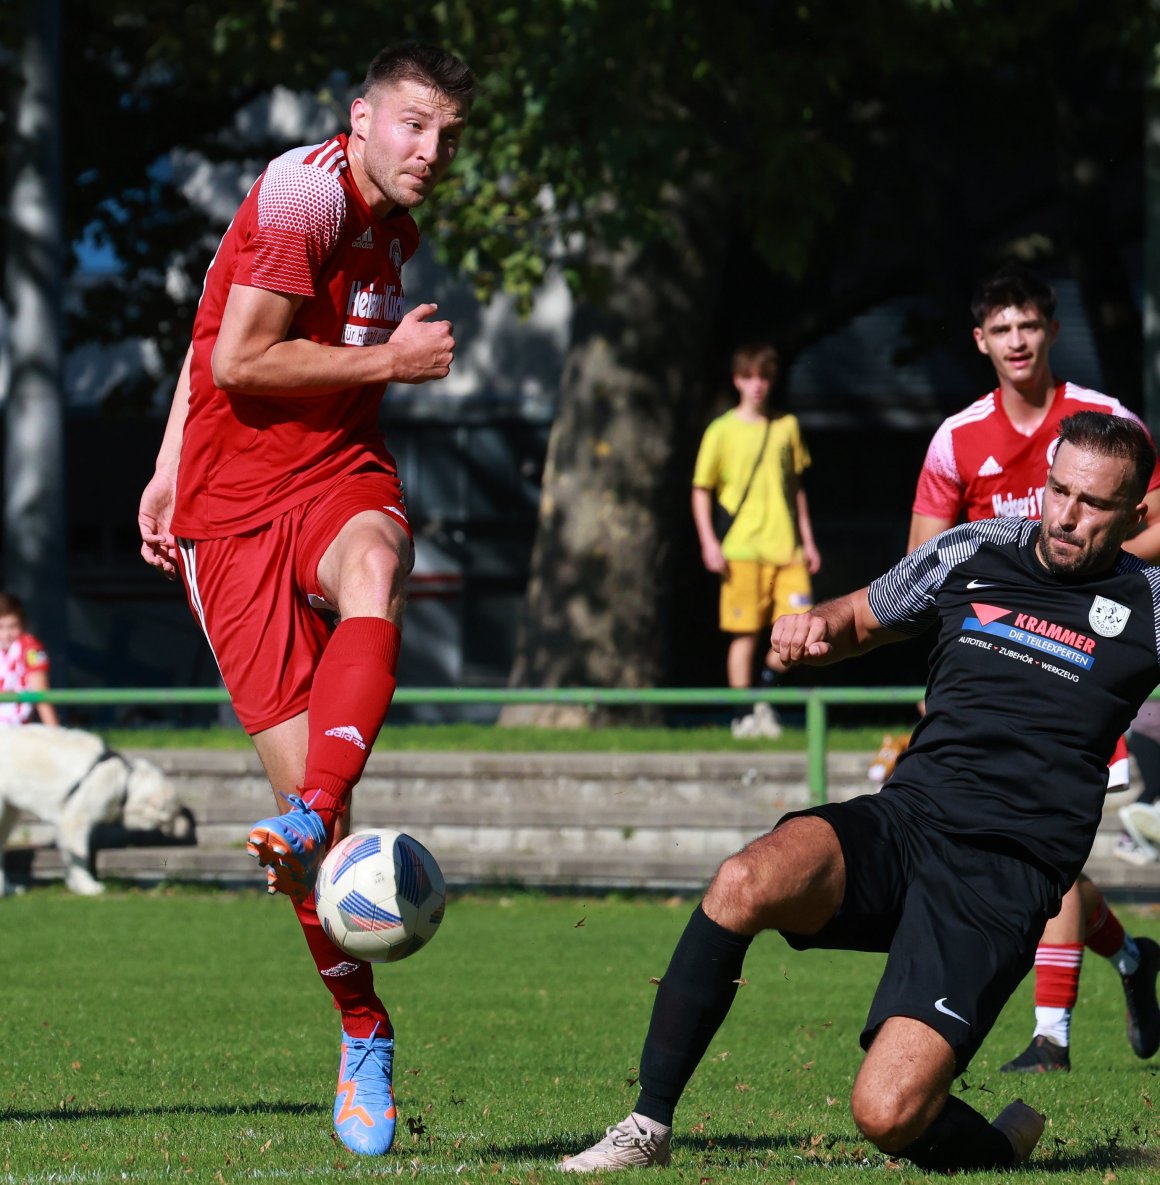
380	895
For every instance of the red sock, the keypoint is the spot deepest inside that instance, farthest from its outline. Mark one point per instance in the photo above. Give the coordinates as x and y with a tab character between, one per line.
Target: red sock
350	981
1103	932
1057	968
349	698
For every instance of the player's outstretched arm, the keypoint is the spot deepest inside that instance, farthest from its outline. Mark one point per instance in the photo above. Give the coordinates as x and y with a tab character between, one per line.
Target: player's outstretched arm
832	631
255	353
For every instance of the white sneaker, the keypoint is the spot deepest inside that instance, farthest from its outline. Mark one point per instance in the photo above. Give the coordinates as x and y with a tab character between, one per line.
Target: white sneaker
761	722
1128	850
1022	1125
1141	820
635	1143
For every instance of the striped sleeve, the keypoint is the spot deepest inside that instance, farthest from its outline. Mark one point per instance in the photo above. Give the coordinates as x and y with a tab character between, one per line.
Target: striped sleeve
1152	575
903	599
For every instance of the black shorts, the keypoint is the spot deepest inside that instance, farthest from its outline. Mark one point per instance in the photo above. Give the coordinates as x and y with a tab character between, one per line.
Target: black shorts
960	923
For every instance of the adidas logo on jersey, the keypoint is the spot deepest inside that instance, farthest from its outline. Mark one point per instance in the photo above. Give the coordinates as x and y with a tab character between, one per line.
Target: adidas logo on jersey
990	468
366	239
347	732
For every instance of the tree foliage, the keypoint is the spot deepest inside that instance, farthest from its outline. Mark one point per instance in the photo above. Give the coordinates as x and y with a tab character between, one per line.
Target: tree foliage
827	130
796	162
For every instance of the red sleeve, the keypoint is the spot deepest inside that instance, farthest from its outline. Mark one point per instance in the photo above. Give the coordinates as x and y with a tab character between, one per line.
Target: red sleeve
300	211
35	655
940	492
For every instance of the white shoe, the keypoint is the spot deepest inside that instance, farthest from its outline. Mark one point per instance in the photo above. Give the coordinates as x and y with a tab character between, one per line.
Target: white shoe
761	722
1141	820
635	1143
1128	850
1022	1125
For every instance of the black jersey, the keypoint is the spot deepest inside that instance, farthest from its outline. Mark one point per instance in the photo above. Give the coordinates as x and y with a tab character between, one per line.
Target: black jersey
1032	680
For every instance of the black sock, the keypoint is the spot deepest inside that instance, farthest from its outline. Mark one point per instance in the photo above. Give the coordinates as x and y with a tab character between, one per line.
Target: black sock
692	1000
1147	754
960	1138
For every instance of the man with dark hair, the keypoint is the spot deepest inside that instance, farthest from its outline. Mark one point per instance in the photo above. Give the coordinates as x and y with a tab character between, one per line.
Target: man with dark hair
1048	640
990	461
286	508
1012	287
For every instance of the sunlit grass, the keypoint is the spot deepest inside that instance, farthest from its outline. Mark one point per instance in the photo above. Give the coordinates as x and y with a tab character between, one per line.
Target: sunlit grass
156	1035
492	738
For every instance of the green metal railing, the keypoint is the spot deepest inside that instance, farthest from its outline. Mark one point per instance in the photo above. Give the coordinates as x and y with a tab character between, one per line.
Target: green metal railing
817	701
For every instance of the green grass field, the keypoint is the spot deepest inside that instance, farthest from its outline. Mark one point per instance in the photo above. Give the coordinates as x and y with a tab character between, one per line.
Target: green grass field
178	1034
489	738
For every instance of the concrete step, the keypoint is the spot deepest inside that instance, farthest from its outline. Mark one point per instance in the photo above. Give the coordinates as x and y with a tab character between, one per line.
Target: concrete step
584	820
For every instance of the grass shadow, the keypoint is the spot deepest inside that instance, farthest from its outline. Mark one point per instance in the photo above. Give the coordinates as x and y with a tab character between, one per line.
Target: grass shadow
69	1115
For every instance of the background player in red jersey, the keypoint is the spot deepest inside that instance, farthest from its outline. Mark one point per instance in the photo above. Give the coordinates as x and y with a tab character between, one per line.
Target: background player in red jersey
990	461
275	495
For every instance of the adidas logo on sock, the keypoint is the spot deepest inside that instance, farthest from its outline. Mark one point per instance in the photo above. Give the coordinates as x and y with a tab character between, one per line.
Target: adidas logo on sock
366	239
990	468
347	732
339	969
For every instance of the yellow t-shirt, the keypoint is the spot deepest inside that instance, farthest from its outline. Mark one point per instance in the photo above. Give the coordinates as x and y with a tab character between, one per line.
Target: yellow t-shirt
766	529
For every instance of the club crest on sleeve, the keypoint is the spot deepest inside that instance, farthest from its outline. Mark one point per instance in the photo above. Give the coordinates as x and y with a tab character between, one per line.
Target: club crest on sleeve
1108	617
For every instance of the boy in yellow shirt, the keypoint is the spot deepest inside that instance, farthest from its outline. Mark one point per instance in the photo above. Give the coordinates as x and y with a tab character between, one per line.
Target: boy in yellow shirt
751	461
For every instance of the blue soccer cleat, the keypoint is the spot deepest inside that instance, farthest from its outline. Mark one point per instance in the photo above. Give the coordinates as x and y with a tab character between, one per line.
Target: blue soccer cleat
364	1103
290	847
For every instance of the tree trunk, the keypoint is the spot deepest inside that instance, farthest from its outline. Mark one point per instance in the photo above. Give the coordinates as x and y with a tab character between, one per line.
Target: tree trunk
1090	181
35	540
595	603
1151	375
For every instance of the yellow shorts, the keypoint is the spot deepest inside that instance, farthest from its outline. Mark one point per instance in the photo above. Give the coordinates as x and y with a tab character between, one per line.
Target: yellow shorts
754	594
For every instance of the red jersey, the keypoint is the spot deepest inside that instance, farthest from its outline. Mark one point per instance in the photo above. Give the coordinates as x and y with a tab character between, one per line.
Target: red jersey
24	656
979	465
303	229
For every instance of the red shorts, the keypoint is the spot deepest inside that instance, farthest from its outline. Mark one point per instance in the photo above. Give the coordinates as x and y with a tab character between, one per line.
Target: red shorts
259	602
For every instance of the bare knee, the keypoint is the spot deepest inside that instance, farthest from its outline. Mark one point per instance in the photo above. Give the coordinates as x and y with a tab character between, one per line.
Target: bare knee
372	582
891	1116
791	879
903	1083
383	568
741	891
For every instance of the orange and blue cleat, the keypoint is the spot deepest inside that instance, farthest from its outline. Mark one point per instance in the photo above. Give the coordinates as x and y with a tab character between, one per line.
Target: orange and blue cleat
290	847
364	1103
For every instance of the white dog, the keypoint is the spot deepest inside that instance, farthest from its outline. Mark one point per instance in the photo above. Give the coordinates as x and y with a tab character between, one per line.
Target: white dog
71	779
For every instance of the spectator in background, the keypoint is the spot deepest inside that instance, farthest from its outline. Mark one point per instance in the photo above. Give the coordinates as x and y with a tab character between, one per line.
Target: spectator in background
750	464
23	665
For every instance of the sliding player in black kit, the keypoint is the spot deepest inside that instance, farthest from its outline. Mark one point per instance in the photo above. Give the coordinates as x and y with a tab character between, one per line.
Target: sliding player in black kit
1047	645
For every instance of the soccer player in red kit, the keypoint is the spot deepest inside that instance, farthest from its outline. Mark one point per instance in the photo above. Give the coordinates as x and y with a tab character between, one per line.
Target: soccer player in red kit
991	461
276	498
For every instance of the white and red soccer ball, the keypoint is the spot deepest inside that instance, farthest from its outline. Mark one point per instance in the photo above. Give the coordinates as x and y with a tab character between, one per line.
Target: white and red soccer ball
380	895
